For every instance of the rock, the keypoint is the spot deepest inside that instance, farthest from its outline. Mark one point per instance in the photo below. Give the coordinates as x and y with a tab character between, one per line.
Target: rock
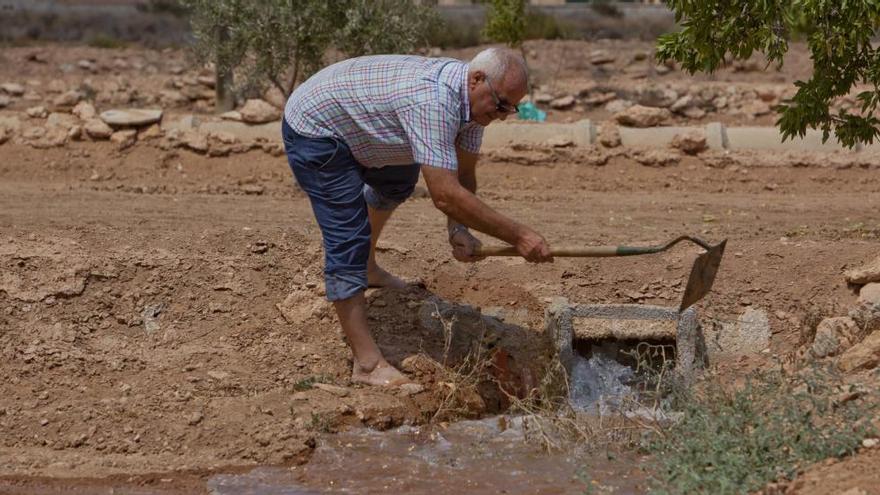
755	108
641	116
870	443
194	418
600	99
38	112
720	102
11	124
56	86
617	106
559	142
172	98
867	316
259	112
33	133
542	98
75	132
61	121
87	65
870	293
253	189
84	110
563	103
332	389
694	113
691	142
53	138
609	135
864	355
864	274
600	57
97	129
656	157
13	89
131	117
420	364
833	335
151	132
408	389
662	69
682	104
124	138
4	101
195	141
67	100
231	115
750	334
4	136
207	81
657	97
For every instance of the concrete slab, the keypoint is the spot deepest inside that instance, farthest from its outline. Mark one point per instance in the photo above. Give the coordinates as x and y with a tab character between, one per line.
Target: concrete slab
769	138
499	135
655	137
564	322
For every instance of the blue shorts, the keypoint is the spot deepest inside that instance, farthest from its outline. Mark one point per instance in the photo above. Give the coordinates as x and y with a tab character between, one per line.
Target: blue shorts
340	189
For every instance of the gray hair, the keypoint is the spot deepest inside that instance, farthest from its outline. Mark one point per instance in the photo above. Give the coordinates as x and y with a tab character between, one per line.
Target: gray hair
496	62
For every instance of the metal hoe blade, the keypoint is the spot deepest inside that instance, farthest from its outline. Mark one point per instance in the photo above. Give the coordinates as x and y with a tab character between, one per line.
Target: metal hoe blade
702	275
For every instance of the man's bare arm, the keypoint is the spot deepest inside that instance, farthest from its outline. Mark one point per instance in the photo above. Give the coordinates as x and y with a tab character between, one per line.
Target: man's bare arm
463	206
467	176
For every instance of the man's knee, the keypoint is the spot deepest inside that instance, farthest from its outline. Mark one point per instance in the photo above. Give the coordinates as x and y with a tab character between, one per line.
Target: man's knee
388	198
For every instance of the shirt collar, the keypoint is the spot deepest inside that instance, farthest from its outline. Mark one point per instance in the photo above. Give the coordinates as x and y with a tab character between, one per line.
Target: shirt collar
465	101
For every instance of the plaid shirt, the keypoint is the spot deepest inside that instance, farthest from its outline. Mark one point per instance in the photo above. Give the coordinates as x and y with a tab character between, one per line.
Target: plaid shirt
389	109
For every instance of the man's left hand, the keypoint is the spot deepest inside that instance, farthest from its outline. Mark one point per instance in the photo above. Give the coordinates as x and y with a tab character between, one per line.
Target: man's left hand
464	245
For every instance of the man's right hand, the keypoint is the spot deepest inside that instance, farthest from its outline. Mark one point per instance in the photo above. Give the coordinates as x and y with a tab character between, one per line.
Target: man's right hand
531	246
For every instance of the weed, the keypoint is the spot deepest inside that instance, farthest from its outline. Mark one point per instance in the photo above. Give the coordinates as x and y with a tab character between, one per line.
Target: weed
737	439
106	42
307	383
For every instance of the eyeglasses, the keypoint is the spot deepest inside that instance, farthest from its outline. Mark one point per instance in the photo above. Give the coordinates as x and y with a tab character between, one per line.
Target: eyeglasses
500	105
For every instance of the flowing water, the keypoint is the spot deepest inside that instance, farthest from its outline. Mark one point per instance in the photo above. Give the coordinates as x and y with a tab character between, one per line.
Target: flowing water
486	456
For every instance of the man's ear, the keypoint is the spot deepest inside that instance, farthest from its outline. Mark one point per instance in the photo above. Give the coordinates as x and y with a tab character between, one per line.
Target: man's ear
475	78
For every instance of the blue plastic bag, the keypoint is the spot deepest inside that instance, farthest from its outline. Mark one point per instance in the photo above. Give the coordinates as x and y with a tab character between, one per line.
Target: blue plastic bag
528	111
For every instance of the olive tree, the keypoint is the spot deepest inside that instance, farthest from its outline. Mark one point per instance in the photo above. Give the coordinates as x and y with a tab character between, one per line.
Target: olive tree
281	42
506	22
837	32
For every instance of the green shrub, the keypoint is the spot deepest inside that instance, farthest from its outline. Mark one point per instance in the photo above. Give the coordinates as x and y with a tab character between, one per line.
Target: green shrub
737	439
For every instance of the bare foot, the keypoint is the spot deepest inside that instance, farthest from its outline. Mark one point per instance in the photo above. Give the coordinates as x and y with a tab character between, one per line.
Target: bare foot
377	277
383	375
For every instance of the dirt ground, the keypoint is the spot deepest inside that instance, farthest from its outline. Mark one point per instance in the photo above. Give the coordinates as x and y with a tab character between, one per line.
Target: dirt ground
158	316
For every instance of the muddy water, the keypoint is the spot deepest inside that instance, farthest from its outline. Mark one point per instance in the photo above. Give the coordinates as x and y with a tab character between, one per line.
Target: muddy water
483	456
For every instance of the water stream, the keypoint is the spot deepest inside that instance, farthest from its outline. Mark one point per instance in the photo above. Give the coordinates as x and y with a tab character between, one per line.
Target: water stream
486	456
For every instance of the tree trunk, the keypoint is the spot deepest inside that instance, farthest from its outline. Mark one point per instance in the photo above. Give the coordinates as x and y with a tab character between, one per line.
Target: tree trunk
223	84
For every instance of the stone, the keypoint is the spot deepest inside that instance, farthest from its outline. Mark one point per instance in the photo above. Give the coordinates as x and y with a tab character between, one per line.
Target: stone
12	124
694	113
867	316
600	57
656	157
231	115
408	389
600	98
61	121
194	418
617	106
559	142
87	65
152	132
38	112
124	138
4	101
172	98
4	135
657	97
641	116
755	108
332	389
542	98
682	104
195	141
207	81
13	89
218	375
97	129
563	103
862	356
833	335
53	138
75	132
690	142
56	86
870	293
870	443
259	112
609	136
33	133
131	117
68	99
84	110
864	274
748	335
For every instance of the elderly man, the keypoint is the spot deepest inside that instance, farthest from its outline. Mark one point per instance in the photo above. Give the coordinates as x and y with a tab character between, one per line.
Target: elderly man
357	135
